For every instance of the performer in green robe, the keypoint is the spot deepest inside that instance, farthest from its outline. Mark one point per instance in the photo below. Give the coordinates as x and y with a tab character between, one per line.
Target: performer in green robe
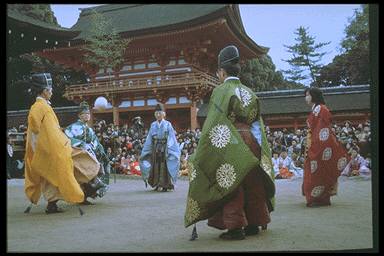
231	175
82	136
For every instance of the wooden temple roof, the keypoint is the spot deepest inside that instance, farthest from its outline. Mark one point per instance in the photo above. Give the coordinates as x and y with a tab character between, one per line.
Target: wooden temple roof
26	34
23	20
144	19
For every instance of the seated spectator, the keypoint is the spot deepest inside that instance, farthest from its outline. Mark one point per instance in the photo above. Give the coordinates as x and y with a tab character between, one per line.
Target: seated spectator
124	165
275	162
357	166
183	166
284	164
296	166
181	143
134	166
343	138
185	152
294	148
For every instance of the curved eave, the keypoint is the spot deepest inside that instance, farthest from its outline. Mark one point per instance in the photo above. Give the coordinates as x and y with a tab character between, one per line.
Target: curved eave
168	28
230	12
48	29
236	26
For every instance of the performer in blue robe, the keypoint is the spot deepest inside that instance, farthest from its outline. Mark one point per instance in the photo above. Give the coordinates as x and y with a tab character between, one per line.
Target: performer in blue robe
83	136
160	156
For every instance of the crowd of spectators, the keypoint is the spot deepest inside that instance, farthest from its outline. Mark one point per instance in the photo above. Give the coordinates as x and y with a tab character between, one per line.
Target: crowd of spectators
123	146
288	148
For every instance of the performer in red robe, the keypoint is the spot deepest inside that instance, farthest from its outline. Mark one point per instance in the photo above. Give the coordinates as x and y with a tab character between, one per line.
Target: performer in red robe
325	156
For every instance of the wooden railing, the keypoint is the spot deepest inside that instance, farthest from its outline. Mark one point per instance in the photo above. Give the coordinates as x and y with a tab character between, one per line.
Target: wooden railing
191	79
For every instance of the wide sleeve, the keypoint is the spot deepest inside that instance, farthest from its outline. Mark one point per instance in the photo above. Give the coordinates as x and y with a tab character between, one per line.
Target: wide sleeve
172	145
36	118
147	147
73	132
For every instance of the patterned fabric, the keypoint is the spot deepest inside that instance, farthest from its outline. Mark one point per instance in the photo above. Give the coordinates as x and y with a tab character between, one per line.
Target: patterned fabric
222	159
325	157
83	136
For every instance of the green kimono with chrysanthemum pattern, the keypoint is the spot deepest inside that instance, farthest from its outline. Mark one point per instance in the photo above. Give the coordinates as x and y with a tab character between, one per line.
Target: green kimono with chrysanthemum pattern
222	159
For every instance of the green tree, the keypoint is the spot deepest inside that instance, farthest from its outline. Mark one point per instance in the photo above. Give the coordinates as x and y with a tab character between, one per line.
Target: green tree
104	46
260	74
305	56
357	32
351	67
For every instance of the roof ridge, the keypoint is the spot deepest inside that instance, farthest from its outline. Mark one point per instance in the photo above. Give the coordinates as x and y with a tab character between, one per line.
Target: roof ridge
108	8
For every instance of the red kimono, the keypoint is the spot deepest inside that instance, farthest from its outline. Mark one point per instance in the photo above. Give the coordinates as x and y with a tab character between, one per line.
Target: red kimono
135	168
325	158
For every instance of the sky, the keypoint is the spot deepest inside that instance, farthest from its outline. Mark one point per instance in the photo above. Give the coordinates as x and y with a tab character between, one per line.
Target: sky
271	25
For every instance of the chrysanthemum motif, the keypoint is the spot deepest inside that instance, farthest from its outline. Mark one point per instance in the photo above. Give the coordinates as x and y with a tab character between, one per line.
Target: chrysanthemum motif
193	210
220	135
324	134
316	111
266	164
225	175
191	172
327	154
317	191
244	96
341	163
313	166
76	130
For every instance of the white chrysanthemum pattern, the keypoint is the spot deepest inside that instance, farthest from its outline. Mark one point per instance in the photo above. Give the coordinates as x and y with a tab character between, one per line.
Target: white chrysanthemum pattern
226	175
266	164
313	166
244	96
327	154
317	109
317	191
341	163
220	135
76	130
324	134
193	210
191	172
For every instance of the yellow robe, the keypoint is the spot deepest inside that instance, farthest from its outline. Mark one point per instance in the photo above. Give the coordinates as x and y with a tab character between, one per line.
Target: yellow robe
51	158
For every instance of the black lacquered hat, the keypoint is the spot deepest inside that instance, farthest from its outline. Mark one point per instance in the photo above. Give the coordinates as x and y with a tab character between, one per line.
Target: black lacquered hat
227	55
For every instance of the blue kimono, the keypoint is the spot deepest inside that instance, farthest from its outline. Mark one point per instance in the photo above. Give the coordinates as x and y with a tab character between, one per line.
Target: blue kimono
83	136
160	146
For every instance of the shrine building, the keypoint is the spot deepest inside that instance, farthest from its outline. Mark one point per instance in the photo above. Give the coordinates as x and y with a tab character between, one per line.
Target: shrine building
171	58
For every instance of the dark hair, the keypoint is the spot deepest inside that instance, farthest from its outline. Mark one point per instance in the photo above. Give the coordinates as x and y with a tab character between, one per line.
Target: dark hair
232	68
316	94
34	92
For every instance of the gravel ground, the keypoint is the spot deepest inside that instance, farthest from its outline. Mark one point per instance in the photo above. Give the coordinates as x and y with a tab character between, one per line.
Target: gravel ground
132	218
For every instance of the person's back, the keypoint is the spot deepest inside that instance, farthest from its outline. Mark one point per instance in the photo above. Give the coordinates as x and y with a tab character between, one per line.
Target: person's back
232	159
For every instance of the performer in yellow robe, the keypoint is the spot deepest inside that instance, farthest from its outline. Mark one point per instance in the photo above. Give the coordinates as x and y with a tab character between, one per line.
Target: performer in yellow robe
48	161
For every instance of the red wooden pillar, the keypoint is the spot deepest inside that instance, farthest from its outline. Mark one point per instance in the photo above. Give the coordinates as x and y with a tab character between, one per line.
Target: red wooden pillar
115	110
193	116
91	119
295	123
